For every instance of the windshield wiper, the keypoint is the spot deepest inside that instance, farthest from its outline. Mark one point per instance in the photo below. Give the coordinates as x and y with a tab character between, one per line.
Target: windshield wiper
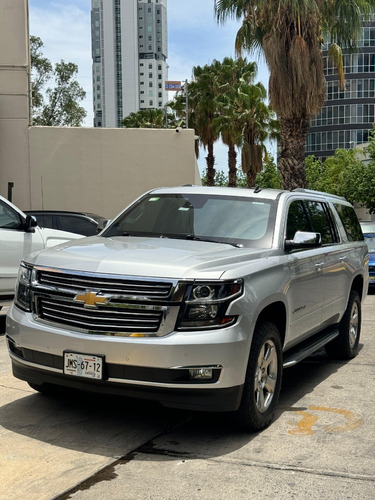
198	238
179	236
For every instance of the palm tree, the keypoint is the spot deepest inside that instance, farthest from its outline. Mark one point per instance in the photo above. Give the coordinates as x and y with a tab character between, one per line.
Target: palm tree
289	33
202	92
230	74
245	120
258	125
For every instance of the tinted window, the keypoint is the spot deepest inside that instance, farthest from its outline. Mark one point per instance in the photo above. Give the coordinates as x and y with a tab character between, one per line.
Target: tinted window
297	219
44	220
77	225
310	216
321	221
9	219
350	222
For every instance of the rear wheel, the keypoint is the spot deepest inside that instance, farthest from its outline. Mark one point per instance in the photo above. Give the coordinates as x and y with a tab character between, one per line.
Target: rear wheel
345	345
263	379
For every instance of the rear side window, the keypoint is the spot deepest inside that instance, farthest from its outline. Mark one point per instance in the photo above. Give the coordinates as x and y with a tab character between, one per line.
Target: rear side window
350	222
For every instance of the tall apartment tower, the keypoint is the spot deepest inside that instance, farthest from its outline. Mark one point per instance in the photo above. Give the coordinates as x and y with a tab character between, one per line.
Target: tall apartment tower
348	114
129	54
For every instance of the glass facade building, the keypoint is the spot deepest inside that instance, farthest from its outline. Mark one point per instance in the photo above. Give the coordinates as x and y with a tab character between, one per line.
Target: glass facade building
348	114
129	58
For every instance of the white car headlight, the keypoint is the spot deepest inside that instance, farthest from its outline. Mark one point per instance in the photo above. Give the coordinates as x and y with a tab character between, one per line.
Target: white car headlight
23	288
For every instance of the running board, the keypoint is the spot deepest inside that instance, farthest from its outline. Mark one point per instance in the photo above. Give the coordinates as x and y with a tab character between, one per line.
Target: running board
308	347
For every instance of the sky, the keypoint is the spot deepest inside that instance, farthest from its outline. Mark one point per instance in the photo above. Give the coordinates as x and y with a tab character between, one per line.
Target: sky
194	39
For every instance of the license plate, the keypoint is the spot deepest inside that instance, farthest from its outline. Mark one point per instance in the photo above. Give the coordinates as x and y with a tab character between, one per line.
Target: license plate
83	365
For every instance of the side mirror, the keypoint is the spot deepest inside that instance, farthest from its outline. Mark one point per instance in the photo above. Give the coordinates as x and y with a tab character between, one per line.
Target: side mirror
304	239
30	224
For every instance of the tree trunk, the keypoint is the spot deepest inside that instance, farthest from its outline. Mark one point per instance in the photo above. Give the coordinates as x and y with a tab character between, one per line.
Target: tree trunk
291	163
210	161
251	176
232	169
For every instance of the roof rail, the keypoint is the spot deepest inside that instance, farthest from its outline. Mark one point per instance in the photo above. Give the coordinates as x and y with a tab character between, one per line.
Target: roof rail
311	191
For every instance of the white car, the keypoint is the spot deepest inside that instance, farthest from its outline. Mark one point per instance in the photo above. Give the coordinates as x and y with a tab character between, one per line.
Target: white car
20	236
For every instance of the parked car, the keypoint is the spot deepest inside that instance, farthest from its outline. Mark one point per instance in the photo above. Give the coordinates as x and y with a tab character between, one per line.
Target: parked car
370	240
20	236
84	223
196	297
367	227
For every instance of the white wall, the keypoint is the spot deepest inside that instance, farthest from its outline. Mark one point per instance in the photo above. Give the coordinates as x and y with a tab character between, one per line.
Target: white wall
102	170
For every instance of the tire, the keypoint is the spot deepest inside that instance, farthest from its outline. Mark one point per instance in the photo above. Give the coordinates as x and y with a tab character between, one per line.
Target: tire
263	379
345	345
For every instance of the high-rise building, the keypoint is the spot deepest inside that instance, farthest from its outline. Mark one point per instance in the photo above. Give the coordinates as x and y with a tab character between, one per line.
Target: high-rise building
348	114
129	54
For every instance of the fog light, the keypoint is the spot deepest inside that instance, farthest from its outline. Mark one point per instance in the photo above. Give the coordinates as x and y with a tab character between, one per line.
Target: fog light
200	373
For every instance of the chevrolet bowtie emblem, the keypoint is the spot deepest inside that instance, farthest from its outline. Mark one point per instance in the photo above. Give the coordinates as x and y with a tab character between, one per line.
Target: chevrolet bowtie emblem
90	299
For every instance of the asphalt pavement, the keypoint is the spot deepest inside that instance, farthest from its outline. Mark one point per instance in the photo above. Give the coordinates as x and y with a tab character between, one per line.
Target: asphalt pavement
321	444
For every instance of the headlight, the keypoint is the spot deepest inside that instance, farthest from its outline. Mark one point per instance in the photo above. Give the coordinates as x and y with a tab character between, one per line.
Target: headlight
207	304
23	288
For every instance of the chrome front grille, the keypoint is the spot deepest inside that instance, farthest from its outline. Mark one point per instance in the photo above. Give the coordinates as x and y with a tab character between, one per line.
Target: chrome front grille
111	320
107	284
106	304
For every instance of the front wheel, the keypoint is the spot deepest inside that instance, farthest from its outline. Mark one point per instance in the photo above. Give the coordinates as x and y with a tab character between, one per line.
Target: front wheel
263	379
345	345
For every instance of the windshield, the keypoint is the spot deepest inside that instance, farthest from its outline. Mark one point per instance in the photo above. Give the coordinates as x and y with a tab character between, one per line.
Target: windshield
370	240
240	221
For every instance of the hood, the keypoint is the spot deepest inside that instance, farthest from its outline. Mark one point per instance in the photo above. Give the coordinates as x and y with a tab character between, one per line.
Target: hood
52	237
153	257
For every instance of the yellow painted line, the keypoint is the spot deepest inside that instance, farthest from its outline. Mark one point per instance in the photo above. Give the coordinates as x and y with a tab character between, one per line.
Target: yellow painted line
352	420
304	427
308	420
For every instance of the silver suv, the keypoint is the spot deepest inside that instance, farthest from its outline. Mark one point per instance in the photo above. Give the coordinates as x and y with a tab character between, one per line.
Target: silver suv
196	297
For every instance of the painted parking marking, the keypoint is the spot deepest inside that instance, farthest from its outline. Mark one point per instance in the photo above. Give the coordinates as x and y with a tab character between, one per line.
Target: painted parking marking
308	420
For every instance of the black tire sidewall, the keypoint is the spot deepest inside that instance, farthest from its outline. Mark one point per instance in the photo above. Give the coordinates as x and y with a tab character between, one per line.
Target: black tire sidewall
248	414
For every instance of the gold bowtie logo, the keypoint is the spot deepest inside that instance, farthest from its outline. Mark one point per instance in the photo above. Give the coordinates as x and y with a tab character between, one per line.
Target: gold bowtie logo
90	299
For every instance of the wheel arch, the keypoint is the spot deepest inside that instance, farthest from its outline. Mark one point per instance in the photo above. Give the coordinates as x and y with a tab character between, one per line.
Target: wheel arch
276	313
358	285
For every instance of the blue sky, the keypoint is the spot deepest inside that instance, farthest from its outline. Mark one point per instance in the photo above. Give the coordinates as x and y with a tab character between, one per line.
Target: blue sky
194	38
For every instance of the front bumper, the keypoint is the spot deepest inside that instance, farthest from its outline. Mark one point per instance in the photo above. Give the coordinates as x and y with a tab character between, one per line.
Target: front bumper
147	368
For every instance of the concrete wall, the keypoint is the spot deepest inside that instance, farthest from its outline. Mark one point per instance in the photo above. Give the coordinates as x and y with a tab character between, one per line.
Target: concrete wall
14	101
87	169
102	170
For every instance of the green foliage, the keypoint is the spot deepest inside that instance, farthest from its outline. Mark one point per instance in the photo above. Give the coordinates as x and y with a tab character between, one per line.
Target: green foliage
57	105
221	179
344	174
149	118
269	177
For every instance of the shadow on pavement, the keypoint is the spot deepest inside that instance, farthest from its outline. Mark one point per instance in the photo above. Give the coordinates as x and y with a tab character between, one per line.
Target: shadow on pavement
104	425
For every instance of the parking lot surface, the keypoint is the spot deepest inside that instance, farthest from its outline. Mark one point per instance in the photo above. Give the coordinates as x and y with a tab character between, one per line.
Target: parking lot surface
321	444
